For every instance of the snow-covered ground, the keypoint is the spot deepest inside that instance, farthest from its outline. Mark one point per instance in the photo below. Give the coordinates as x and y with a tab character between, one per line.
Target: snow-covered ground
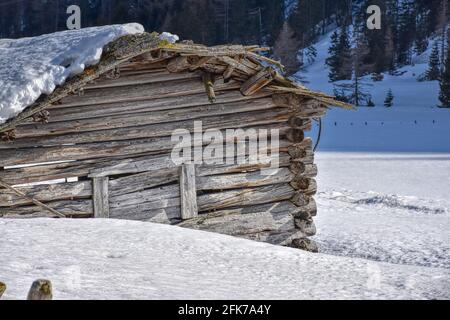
110	259
413	124
383	229
385	207
383	224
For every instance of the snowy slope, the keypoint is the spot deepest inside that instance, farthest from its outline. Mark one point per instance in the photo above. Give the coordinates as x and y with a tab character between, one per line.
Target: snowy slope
413	124
108	259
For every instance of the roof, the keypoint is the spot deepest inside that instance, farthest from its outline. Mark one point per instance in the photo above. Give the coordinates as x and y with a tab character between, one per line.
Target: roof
245	64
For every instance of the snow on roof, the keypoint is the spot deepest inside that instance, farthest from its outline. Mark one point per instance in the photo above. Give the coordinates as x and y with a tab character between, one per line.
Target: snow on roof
31	67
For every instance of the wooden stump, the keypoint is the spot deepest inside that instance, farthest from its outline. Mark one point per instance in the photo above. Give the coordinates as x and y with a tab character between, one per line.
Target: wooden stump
40	290
2	288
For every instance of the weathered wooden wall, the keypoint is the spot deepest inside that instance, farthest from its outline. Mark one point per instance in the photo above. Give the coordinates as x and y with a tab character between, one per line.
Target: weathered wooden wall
115	137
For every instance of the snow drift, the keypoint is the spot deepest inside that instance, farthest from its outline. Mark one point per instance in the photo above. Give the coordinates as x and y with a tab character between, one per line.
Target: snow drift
33	66
111	259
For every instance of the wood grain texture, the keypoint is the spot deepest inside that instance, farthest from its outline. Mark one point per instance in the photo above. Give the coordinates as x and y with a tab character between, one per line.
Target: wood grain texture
46	193
101	197
70	208
244	197
145	118
11	157
188	192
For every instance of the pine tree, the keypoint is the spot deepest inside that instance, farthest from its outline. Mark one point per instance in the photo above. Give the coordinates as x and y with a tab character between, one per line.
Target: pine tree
333	59
389	101
311	54
340	59
285	49
370	102
444	83
434	70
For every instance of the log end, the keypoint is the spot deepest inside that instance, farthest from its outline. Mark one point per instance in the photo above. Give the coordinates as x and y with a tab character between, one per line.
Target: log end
305	244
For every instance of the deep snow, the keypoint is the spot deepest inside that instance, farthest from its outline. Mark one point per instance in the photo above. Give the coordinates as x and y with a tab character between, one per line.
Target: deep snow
385	207
382	234
110	259
33	66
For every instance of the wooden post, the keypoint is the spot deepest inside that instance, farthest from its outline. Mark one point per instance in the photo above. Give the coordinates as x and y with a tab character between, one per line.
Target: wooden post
188	192
101	197
40	290
208	81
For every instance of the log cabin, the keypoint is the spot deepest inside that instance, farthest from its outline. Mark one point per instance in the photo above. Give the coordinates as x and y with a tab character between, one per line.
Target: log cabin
101	145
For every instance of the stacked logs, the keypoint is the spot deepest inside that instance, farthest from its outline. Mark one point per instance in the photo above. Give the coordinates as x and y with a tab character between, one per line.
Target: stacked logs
304	170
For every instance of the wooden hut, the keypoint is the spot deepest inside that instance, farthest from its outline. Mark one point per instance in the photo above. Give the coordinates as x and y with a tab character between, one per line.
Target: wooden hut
100	145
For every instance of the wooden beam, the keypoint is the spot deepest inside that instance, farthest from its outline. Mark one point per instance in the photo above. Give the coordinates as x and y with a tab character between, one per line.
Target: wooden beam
101	197
70	208
46	193
36	202
188	192
257	82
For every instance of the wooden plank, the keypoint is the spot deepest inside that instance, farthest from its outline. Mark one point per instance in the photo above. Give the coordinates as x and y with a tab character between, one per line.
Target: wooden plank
52	171
58	113
38	203
188	192
146	91
169	196
46	193
11	157
238	65
258	81
156	198
251	110
244	180
305	108
139	79
70	208
142	181
244	197
101	197
141	212
126	164
243	224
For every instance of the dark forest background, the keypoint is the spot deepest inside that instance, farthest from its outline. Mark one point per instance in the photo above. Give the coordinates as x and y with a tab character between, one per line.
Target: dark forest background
407	26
